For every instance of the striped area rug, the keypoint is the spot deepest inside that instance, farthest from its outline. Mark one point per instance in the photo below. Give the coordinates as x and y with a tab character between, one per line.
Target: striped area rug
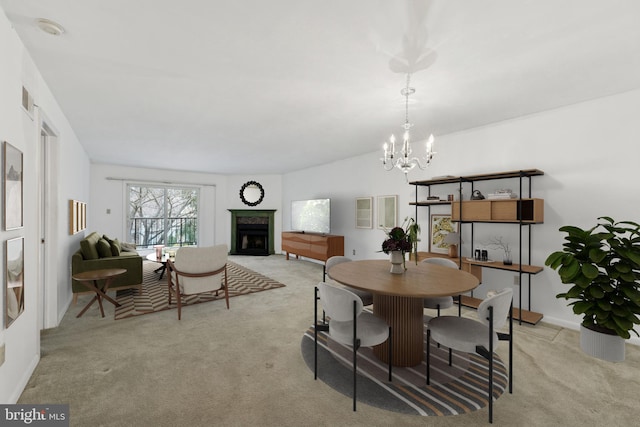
153	296
454	390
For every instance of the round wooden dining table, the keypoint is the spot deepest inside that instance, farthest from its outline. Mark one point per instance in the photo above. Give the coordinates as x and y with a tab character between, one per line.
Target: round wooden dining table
398	299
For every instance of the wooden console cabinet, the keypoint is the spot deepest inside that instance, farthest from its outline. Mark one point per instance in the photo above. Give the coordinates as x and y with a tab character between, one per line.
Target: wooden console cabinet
311	245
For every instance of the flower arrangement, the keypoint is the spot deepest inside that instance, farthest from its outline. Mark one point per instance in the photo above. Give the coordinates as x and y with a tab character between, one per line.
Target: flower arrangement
404	239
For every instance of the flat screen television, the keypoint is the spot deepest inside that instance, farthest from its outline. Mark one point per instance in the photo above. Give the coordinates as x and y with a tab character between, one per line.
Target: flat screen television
313	216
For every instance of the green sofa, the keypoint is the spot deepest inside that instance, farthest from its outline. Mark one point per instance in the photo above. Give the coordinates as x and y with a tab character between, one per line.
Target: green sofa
99	252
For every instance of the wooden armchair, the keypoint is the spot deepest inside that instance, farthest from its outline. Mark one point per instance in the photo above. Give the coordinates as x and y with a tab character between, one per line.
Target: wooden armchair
197	270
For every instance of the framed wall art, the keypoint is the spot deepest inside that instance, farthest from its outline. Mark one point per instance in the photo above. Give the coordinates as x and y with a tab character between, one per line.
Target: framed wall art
77	216
387	211
14	279
12	186
364	212
440	227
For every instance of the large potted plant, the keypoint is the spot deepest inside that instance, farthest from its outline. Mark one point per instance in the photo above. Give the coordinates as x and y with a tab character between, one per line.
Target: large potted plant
603	265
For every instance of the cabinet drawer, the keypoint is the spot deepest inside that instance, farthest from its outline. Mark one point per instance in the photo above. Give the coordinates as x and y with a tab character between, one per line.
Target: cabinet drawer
472	210
513	210
504	210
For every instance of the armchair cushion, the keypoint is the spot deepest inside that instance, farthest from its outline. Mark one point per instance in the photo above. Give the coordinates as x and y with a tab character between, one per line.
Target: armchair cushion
199	260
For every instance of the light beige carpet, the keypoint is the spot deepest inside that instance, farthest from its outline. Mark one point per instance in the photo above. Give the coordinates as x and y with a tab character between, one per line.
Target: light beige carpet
244	367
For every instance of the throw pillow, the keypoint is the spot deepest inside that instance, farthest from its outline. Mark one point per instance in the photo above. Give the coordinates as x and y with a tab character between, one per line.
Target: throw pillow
128	247
89	250
115	247
104	249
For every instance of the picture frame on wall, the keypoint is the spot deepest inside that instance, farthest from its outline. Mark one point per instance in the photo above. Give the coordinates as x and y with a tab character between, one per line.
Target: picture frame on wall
14	280
387	211
364	212
440	227
77	216
12	184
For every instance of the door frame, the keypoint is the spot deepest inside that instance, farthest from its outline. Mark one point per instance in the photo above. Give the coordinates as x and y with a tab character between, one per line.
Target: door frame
48	316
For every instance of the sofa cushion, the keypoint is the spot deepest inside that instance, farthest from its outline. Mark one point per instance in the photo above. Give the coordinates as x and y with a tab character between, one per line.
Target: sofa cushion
127	247
88	246
115	247
104	248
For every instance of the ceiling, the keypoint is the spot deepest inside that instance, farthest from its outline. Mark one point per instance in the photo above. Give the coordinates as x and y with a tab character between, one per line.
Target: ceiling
269	87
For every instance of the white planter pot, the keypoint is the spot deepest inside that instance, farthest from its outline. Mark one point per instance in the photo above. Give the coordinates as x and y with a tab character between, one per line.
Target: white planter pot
397	262
603	346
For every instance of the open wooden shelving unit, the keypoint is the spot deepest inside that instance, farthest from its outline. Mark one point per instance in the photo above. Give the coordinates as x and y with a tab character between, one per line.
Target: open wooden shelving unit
524	212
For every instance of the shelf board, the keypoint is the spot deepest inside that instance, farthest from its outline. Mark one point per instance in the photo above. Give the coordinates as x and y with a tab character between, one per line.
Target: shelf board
430	203
498	221
498	265
437	181
530	317
480	177
503	175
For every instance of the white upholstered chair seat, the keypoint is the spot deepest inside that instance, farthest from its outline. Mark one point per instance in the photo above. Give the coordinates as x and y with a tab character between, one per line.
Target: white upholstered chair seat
371	330
460	333
196	261
197	270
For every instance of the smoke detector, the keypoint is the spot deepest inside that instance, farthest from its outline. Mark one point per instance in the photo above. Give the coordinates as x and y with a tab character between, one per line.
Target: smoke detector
49	26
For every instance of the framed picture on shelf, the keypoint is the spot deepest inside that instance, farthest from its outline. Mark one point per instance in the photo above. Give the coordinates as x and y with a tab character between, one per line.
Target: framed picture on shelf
364	212
387	211
440	227
12	187
14	279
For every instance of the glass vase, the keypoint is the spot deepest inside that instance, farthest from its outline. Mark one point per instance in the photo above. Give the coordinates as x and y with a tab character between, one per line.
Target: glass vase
507	260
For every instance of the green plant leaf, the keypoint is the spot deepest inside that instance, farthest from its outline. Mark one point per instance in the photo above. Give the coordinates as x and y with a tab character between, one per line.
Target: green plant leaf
590	271
623	323
574	292
622	267
635	255
621	311
569	269
632	293
603	304
596	254
554	260
581	307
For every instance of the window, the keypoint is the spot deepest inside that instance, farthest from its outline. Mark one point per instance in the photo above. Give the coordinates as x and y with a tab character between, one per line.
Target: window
163	215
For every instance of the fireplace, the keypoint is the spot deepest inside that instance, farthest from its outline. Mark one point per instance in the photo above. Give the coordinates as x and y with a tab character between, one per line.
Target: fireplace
252	232
252	239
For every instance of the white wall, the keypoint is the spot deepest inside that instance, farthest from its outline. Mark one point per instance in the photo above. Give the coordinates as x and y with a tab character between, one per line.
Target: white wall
218	193
588	152
22	338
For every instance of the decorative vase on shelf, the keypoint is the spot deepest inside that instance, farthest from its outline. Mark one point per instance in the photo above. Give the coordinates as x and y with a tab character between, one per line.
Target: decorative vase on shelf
397	262
507	257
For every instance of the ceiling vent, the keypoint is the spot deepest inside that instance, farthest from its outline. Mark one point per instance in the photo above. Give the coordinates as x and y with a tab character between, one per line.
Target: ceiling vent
27	102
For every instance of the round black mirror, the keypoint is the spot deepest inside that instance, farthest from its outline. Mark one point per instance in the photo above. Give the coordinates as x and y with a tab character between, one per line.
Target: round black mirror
252	193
